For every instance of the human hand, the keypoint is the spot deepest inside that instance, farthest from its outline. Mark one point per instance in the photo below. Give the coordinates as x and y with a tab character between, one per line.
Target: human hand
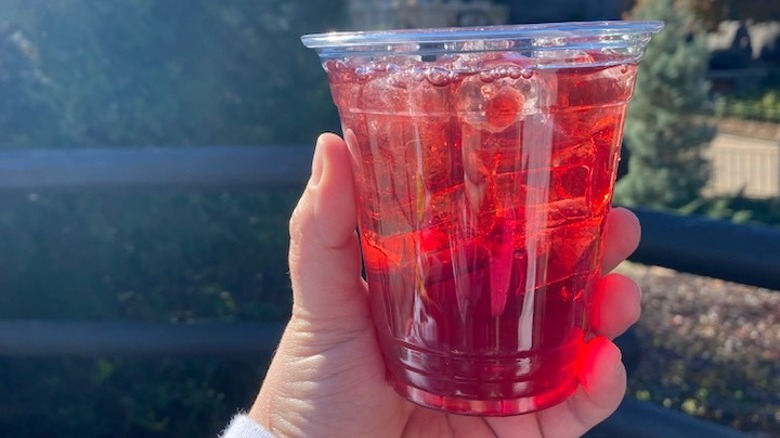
328	377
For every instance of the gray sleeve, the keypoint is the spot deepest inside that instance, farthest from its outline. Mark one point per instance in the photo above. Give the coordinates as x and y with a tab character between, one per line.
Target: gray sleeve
241	426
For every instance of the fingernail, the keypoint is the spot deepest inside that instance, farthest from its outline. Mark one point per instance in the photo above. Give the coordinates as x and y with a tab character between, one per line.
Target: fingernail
316	164
616	357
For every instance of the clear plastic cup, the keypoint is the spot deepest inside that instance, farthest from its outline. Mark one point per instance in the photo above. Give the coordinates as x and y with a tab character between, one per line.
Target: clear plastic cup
484	161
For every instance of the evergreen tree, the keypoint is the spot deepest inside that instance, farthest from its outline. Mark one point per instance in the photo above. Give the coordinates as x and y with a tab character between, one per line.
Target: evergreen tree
664	137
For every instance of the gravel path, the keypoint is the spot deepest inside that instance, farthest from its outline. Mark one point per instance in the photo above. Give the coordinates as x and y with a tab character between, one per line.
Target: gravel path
710	348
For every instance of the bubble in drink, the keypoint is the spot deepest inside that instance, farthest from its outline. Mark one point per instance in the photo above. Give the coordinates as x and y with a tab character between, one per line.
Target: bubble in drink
499	94
484	175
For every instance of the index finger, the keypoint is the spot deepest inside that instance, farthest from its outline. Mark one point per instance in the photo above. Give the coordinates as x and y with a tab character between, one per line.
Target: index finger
621	238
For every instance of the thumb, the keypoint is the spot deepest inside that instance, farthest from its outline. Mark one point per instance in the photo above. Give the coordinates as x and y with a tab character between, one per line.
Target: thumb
324	253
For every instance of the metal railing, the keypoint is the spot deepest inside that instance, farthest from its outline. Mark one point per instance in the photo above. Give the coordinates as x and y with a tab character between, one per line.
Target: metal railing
718	249
172	168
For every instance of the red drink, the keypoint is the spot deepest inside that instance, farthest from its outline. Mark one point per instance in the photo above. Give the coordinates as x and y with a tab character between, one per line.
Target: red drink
483	181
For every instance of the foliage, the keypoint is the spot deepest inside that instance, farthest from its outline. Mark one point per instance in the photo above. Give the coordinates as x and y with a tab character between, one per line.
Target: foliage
181	257
124	397
737	208
84	73
761	107
143	72
666	166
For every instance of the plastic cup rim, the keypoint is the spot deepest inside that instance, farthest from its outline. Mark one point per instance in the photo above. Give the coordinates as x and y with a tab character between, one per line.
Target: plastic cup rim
539	35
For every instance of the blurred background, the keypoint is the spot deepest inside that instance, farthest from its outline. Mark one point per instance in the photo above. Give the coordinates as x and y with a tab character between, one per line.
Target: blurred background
131	207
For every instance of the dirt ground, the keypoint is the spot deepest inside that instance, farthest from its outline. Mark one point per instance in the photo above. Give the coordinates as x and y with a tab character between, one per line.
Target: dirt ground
710	348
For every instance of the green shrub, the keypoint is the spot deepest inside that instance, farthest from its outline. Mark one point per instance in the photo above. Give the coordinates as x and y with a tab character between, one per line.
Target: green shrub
90	73
184	257
762	106
737	208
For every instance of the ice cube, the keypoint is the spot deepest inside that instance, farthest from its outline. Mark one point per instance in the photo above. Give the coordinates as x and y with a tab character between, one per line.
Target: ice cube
589	137
571	182
570	249
570	195
433	151
404	91
492	63
493	106
503	90
573	142
594	86
487	154
339	71
556	57
565	211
